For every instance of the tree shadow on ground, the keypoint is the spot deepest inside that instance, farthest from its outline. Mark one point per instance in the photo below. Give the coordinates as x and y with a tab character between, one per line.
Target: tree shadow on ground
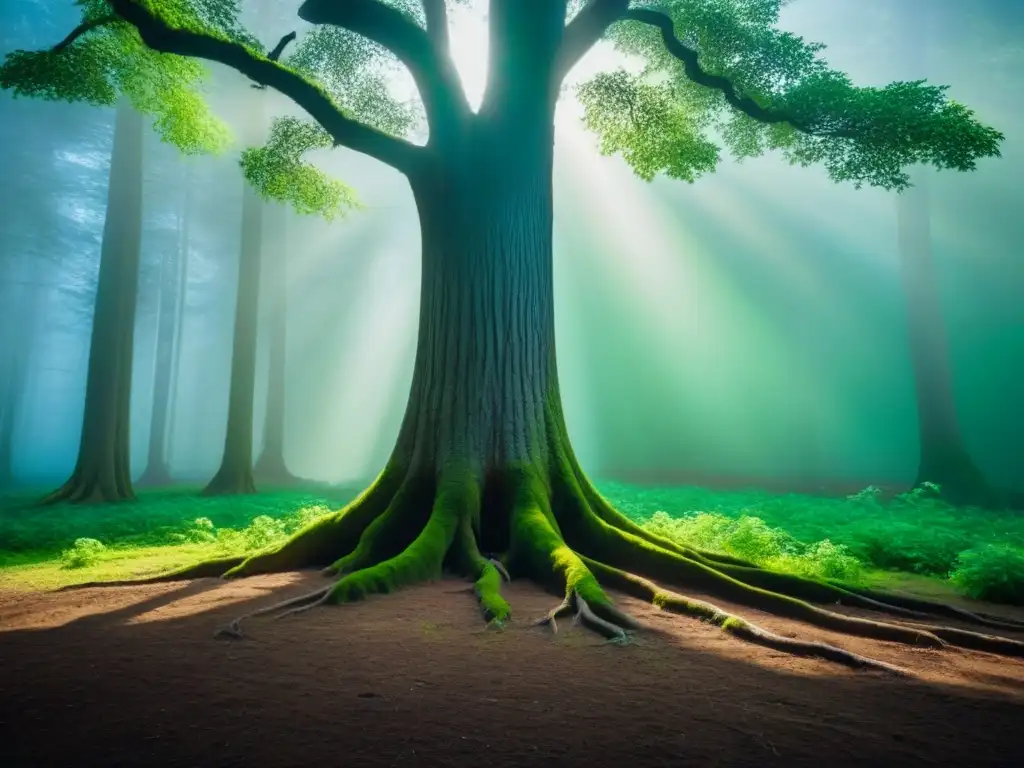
413	679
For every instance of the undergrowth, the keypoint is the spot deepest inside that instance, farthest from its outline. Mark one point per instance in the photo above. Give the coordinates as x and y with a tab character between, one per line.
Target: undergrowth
980	553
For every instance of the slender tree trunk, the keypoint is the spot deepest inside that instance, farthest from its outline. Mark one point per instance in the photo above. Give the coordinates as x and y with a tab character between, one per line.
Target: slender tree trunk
235	474
102	472
271	468
944	459
11	386
182	294
157	473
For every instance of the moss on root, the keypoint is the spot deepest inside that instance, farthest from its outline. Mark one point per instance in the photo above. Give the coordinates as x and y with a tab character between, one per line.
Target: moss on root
558	531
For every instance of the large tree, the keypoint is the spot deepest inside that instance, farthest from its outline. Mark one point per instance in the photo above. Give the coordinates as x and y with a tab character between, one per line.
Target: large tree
483	478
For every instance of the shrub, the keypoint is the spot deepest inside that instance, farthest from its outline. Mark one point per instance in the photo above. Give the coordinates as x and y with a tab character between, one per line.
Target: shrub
753	539
83	553
263	531
993	572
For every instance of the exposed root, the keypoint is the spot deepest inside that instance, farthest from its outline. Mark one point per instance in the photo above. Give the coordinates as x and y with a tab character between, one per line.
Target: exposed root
559	610
538	545
586	616
499	568
486	573
734	625
619	549
406	527
936	608
233	629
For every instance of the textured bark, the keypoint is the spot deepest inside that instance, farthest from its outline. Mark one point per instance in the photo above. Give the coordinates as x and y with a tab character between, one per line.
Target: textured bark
484	376
157	473
102	471
271	468
235	473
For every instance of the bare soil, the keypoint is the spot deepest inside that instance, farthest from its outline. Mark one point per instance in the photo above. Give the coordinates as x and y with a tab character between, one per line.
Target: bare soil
132	676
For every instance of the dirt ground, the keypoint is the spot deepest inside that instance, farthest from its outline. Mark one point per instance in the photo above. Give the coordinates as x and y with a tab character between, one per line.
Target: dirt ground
132	676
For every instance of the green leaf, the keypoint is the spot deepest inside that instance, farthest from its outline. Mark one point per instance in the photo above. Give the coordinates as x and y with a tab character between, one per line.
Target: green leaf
648	124
278	172
864	135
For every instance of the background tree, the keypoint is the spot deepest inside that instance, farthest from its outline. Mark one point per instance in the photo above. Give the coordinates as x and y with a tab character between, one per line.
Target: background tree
102	471
270	468
944	459
173	277
483	462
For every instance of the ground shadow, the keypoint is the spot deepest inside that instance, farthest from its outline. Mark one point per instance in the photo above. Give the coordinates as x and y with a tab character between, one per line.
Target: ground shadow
414	679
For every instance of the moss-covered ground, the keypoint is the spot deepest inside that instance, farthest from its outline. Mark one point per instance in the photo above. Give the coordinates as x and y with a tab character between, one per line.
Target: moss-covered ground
914	541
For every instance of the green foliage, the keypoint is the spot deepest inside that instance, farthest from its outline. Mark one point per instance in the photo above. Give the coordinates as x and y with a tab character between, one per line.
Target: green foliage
648	124
353	71
980	552
754	540
111	60
159	517
864	135
992	572
916	532
85	552
278	171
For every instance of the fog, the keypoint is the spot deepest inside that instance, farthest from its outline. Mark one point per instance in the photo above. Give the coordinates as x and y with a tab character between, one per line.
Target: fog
750	325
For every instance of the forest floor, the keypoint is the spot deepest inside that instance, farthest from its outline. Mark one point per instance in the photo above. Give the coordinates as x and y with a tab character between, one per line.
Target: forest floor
129	676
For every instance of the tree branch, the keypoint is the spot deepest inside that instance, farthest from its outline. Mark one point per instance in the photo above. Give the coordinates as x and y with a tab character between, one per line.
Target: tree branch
437	25
275	55
81	29
695	72
160	36
435	77
583	32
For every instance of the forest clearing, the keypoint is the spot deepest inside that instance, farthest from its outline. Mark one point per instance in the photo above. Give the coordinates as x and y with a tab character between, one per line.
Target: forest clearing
292	474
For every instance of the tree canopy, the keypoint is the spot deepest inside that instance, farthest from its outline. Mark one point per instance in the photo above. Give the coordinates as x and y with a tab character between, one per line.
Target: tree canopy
717	75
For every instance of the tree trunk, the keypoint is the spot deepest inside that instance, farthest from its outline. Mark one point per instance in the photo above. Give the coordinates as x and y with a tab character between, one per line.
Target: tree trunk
102	472
182	294
271	468
157	473
235	473
944	459
485	388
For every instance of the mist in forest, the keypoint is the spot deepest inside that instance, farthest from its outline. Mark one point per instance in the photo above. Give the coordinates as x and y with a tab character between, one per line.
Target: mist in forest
751	325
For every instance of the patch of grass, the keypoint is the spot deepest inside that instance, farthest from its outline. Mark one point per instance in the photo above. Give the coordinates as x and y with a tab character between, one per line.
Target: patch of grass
914	541
30	533
977	551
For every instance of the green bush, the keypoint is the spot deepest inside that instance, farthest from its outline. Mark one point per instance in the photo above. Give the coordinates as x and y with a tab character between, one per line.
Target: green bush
85	552
993	572
753	539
